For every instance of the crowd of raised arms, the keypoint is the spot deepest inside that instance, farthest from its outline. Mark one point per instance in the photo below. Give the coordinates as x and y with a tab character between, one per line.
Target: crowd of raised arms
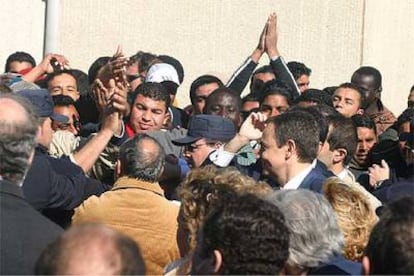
101	173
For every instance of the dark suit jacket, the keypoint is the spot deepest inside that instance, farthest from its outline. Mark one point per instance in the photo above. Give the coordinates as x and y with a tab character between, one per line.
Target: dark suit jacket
24	232
313	181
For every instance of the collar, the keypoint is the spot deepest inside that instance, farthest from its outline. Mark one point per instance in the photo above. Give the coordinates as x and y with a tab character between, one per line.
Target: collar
129	131
295	182
128	182
8	187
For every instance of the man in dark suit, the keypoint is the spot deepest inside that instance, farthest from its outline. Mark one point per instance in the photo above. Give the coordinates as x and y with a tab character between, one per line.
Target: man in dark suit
290	143
24	231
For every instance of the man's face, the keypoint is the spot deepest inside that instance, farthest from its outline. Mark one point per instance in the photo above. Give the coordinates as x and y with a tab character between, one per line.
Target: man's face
366	140
303	83
273	157
406	143
347	101
17	66
201	94
147	114
226	106
274	105
259	80
367	83
64	84
197	152
133	76
73	124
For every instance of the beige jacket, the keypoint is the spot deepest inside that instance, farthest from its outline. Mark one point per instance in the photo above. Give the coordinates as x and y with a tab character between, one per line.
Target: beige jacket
139	210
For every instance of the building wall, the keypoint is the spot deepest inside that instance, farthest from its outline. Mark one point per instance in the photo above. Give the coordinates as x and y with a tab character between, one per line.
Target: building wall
212	36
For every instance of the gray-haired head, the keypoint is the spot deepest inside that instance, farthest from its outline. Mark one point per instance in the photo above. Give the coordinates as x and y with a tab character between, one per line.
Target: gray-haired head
18	129
142	157
314	232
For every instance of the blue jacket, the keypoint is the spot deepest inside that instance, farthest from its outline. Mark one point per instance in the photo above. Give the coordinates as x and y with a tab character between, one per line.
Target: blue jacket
313	181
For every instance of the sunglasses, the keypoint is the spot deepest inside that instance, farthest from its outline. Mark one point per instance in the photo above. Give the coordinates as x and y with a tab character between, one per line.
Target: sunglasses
131	78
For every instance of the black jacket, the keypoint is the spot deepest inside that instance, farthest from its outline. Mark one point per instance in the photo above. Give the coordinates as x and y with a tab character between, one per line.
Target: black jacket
24	232
53	183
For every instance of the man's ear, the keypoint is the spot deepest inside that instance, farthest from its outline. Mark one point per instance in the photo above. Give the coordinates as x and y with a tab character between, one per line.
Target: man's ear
167	119
290	148
365	266
218	261
339	155
360	111
39	132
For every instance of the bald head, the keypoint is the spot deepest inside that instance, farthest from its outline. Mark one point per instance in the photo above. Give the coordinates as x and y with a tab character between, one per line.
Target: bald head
18	129
142	157
91	249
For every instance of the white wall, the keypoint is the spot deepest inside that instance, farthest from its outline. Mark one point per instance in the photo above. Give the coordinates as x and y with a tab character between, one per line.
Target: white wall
332	37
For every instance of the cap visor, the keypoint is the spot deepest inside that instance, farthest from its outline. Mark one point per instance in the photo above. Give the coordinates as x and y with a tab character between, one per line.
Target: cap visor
186	140
59	118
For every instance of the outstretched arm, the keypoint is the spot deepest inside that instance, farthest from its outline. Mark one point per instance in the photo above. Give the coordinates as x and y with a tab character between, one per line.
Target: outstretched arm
276	61
240	78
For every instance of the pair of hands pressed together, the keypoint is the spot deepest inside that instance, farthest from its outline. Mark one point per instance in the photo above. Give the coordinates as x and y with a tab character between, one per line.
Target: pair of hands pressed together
268	40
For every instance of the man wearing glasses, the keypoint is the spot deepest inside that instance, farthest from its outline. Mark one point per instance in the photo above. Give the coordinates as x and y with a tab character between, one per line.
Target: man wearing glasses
206	133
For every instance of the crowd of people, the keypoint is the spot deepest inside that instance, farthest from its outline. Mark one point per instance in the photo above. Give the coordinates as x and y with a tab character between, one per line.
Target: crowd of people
101	173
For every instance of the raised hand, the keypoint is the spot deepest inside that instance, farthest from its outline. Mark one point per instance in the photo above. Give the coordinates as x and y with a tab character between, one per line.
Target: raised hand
378	173
271	37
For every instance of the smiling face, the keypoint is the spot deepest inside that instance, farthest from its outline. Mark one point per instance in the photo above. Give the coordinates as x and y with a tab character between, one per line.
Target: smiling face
273	156
148	114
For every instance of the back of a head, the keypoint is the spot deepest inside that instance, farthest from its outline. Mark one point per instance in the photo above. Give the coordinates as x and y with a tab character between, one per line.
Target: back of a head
249	234
390	249
342	135
314	232
214	96
91	249
142	157
356	217
18	130
314	96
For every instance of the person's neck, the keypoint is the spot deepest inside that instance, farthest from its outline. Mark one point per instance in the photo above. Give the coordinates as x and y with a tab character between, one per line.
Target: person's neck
336	168
293	170
372	107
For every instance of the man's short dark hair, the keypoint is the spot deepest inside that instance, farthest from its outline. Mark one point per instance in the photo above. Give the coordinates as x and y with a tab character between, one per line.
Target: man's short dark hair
144	60
298	69
364	121
343	135
250	234
358	89
17	141
154	91
315	96
139	163
20	57
390	247
63	100
302	128
277	87
51	76
406	116
200	81
122	253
